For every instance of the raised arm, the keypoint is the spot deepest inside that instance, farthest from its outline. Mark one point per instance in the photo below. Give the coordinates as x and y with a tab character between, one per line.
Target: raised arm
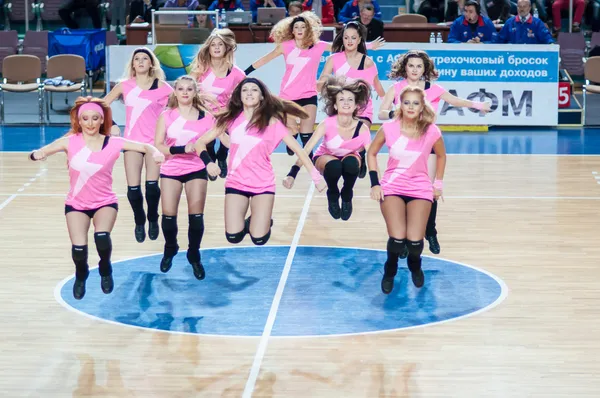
113	94
60	145
374	148
386	106
277	51
455	101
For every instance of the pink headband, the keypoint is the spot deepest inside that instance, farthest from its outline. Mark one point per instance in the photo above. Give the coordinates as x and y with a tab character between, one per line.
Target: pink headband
90	106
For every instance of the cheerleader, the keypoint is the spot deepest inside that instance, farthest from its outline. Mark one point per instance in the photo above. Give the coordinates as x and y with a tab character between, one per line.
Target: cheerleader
417	70
91	154
255	125
350	59
145	94
214	68
405	192
185	120
344	135
298	40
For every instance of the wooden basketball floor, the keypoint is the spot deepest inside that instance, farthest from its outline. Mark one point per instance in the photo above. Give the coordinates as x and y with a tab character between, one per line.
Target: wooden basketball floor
532	221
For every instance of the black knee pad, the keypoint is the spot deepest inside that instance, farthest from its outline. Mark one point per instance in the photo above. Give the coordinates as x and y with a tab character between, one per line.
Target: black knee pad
152	189
134	194
235	238
305	137
80	258
415	248
333	169
103	241
350	165
396	246
196	222
262	240
168	223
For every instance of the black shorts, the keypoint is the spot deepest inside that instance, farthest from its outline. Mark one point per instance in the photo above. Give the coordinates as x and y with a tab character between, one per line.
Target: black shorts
306	101
246	194
90	213
408	199
200	174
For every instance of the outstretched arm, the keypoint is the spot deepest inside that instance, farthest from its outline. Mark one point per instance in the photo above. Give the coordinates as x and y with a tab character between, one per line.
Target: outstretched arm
113	94
455	101
288	181
327	71
292	143
277	51
60	145
386	107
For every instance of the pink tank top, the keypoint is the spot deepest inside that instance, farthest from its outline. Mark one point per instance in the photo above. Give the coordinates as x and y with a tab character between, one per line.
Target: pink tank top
432	94
407	172
221	88
142	109
300	77
90	173
341	67
180	132
249	164
333	144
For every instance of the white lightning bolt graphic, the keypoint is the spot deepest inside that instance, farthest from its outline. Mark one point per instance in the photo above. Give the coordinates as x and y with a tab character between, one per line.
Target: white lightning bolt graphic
245	142
297	62
138	106
335	146
209	84
86	169
404	157
179	133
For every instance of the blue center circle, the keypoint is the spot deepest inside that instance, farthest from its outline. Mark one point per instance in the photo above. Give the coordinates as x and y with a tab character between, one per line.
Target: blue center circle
328	291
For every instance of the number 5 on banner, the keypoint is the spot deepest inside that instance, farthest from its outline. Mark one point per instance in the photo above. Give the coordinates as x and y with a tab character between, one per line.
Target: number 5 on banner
564	94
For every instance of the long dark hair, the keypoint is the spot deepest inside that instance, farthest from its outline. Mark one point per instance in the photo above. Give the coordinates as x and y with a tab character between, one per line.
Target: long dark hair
338	42
336	84
270	107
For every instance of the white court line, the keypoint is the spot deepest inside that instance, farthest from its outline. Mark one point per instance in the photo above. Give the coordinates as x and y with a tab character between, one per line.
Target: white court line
13	196
7	201
262	345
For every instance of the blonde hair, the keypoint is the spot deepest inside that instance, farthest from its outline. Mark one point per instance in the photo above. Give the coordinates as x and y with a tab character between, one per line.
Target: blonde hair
284	29
201	100
427	115
202	60
155	70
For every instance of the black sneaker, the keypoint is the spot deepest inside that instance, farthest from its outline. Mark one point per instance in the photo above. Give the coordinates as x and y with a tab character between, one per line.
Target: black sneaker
418	278
153	230
107	284
78	289
223	166
167	261
387	284
434	245
334	209
346	211
140	233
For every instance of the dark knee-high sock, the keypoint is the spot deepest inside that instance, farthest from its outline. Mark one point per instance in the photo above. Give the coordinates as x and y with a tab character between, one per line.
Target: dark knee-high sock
222	152
394	248
79	253
350	169
169	228
136	200
104	248
430	230
152	199
415	248
195	233
210	148
305	137
332	174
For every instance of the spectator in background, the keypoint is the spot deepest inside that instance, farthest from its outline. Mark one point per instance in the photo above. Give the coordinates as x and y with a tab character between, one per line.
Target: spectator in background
367	18
189	4
472	27
68	8
204	20
256	4
524	28
227	5
433	10
578	9
294	9
351	10
593	16
140	11
322	8
455	10
496	10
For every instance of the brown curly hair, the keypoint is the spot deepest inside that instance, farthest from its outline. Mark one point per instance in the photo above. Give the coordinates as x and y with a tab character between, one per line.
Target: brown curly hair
427	116
398	68
336	84
284	29
76	127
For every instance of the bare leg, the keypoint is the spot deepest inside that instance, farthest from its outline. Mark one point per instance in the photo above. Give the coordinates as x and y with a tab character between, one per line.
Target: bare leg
236	207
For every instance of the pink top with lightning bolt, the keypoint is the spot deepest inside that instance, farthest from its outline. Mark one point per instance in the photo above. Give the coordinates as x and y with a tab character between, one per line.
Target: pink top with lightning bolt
432	94
341	67
333	144
407	172
221	87
300	77
180	132
249	167
142	109
90	173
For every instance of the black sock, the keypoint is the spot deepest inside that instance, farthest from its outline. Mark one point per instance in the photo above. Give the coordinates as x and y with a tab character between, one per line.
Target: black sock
152	199
222	152
430	230
332	174
104	248
169	228
80	258
350	169
305	137
136	200
394	248
195	233
415	248
210	148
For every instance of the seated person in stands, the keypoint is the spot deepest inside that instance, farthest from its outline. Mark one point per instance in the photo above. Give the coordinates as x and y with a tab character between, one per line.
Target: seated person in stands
70	6
455	10
351	10
227	5
578	9
140	11
189	4
367	18
256	4
294	9
472	27
524	28
203	19
432	9
496	10
323	8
